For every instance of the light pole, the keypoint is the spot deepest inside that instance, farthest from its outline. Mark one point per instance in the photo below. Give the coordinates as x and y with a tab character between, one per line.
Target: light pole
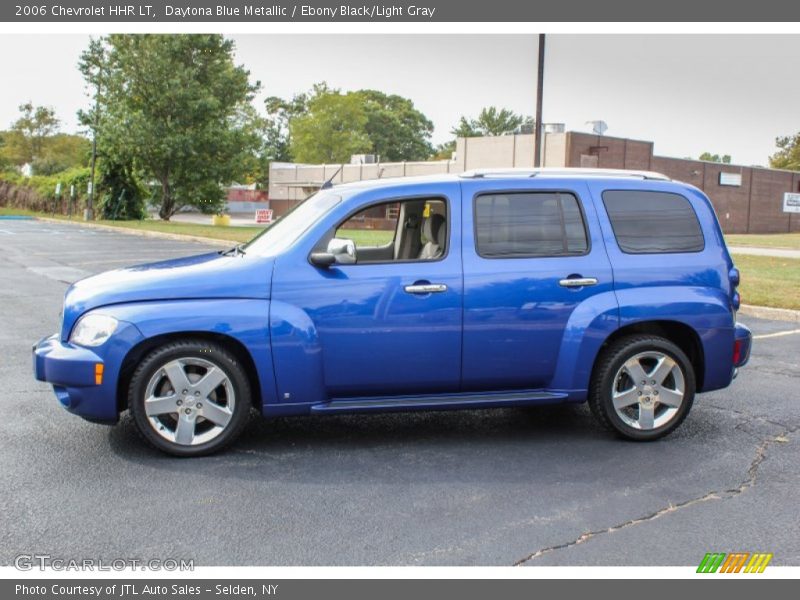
537	142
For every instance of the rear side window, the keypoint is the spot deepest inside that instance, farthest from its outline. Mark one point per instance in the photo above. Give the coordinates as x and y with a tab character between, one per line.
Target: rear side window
653	222
529	224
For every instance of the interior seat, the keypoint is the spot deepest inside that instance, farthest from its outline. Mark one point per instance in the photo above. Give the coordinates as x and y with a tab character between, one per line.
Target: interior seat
434	228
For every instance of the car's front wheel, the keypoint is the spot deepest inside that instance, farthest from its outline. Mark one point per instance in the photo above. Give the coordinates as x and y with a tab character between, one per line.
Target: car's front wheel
189	398
642	387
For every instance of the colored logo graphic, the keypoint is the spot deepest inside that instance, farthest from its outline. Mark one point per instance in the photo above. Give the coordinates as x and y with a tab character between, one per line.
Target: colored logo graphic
736	562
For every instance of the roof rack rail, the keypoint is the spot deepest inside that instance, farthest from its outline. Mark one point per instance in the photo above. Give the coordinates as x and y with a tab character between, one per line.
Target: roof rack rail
562	172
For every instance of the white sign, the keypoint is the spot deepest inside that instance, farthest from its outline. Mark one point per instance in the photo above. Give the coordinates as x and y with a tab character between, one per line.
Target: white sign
264	215
732	179
791	202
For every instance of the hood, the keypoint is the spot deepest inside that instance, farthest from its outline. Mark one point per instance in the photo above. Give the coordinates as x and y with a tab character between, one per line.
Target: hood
210	275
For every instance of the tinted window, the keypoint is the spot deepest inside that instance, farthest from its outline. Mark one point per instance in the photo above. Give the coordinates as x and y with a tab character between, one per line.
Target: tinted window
653	222
529	224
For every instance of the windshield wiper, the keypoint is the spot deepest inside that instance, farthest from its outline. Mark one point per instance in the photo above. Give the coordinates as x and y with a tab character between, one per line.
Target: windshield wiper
237	250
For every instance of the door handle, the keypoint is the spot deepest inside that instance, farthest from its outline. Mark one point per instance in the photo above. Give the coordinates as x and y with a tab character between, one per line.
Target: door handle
574	282
425	288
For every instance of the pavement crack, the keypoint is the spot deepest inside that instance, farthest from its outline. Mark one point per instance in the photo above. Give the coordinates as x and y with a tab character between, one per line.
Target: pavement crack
750	417
748	482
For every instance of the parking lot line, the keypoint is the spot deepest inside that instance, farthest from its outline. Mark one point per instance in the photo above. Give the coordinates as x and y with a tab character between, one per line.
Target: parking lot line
777	334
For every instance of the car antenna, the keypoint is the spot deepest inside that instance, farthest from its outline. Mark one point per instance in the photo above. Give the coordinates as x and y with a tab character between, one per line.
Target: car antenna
329	183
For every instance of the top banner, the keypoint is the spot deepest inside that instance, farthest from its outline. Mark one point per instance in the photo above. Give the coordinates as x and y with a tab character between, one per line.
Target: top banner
423	11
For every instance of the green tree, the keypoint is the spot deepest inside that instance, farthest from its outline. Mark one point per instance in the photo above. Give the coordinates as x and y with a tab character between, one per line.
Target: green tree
395	128
444	151
62	152
274	137
493	121
707	156
332	128
276	132
121	193
4	161
30	132
175	108
788	154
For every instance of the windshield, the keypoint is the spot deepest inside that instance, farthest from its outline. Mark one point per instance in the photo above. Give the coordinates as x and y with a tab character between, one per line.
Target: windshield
286	230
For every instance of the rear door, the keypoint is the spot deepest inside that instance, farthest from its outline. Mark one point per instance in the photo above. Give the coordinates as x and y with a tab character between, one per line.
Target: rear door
533	252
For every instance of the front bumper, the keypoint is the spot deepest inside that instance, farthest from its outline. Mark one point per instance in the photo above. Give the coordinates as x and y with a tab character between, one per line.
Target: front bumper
73	372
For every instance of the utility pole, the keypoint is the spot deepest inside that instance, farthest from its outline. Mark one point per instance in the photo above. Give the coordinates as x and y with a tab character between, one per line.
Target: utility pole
537	142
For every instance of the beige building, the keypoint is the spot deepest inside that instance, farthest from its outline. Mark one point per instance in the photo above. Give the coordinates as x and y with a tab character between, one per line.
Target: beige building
747	199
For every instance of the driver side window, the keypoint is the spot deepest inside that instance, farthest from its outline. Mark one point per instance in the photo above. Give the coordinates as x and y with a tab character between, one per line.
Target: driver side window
406	230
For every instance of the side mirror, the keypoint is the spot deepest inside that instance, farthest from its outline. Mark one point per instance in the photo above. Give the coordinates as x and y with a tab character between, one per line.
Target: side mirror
340	251
322	259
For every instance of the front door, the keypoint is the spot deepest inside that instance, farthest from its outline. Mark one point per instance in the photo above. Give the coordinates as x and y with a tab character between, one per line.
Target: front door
389	324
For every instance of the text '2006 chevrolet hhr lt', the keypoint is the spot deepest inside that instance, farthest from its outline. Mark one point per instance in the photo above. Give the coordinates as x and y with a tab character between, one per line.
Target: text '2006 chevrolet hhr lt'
479	290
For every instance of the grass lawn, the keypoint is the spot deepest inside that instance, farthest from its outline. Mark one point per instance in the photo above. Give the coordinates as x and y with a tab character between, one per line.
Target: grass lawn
789	241
367	237
4	210
769	281
233	234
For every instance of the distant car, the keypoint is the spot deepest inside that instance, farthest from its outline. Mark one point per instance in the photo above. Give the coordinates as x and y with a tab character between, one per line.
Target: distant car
485	289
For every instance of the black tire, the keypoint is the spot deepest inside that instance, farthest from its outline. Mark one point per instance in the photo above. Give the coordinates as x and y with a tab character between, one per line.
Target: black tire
200	352
610	363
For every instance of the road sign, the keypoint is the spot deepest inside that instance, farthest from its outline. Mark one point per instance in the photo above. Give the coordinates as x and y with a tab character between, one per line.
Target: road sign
791	202
264	215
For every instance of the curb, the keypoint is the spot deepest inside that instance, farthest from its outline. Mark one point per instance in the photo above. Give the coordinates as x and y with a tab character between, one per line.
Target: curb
756	251
144	233
765	312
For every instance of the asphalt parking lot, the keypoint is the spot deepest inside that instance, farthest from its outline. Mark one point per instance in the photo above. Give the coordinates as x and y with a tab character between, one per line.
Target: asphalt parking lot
542	486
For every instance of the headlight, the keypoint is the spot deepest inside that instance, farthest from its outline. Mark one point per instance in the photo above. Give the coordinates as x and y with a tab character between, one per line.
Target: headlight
93	330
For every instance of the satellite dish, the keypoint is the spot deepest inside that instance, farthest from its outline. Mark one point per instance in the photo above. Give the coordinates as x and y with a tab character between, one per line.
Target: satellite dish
598	127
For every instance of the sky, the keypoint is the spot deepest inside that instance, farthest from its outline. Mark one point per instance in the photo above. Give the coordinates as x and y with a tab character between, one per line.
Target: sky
726	94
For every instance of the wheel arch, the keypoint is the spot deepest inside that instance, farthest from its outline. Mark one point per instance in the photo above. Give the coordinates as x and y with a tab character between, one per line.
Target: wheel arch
143	348
682	335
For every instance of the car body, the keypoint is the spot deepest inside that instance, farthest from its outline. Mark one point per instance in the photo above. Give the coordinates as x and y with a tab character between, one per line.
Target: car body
527	289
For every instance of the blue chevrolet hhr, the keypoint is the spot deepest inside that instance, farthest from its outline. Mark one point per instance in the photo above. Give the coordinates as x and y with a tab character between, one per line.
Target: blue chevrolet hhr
485	289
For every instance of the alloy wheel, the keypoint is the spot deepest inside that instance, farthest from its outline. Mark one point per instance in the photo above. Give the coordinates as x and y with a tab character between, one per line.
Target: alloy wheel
648	390
189	401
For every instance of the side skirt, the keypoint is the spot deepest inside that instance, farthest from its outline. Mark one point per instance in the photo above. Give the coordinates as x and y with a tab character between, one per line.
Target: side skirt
437	402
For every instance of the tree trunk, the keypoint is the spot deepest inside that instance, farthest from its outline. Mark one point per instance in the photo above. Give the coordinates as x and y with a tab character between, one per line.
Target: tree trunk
167	202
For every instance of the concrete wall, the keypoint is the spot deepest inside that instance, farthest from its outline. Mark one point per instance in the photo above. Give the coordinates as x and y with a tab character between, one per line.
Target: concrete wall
291	182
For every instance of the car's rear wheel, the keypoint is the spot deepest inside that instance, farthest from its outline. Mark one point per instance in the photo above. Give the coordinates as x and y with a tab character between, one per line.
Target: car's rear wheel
189	398
642	387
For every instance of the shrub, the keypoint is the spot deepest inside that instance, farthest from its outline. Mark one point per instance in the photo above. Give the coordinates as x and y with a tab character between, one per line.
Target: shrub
38	193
